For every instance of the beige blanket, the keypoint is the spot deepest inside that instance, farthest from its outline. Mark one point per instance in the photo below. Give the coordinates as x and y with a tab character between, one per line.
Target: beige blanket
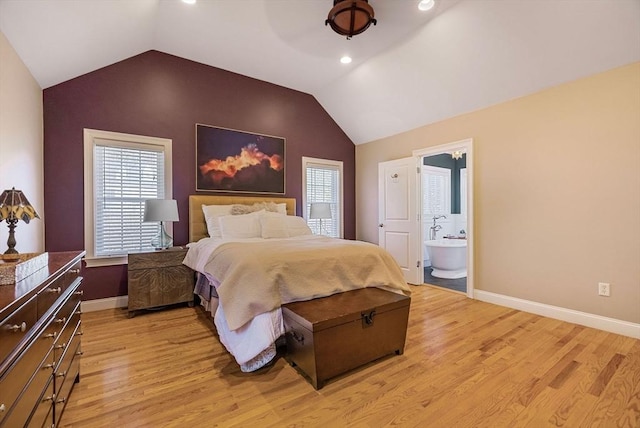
257	277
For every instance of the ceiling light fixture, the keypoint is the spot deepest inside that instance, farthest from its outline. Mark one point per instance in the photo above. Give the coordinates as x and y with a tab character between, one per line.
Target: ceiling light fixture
345	59
350	17
425	5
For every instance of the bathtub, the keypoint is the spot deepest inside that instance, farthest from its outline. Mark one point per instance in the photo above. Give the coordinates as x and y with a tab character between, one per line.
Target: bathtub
448	257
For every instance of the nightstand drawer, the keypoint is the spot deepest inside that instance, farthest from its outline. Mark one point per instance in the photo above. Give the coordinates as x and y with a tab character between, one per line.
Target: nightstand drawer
157	259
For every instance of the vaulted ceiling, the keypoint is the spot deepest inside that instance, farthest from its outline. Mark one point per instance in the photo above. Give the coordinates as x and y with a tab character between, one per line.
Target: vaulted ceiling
413	68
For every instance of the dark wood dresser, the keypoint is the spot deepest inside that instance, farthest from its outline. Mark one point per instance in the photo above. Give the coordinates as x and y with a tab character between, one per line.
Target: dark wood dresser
40	350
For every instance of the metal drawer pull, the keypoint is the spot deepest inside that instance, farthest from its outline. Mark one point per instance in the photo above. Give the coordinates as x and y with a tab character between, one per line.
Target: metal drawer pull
61	320
80	333
79	293
14	328
79	353
3	407
49	398
54	290
297	338
74	270
54	334
62	345
62	400
49	366
63	374
78	312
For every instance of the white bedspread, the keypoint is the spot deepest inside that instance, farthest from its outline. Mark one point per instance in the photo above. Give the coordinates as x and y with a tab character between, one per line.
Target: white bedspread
250	340
257	276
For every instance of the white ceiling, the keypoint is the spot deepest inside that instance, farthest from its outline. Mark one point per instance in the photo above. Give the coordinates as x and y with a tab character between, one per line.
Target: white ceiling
411	69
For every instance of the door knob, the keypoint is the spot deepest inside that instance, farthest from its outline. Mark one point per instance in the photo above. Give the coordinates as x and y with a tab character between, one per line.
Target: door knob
381	225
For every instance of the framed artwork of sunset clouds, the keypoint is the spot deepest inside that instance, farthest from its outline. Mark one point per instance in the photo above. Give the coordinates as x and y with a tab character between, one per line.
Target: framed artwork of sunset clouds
236	161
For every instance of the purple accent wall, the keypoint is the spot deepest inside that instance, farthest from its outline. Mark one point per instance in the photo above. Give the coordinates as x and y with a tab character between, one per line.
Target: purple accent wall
161	95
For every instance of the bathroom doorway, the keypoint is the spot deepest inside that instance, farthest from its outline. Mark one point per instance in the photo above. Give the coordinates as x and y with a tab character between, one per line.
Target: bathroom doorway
445	197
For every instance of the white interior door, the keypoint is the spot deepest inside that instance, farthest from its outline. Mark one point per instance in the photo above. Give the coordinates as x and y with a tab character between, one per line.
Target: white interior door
399	216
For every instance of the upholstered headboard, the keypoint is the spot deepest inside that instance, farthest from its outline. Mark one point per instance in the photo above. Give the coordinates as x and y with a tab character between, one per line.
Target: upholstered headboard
197	224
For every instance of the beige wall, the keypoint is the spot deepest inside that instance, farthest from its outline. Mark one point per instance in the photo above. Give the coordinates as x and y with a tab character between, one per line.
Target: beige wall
556	187
21	156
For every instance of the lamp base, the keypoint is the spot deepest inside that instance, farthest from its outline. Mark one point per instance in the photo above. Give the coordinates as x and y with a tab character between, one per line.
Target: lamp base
11	241
162	240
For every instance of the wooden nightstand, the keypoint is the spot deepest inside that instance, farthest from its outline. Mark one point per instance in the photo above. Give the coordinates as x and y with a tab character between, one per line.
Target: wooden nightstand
158	278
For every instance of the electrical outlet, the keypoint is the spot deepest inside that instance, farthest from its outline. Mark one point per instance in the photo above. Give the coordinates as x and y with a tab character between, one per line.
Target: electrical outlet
604	289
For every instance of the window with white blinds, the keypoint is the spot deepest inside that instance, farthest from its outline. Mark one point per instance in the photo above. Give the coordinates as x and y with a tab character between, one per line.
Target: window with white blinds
323	183
124	179
436	190
125	170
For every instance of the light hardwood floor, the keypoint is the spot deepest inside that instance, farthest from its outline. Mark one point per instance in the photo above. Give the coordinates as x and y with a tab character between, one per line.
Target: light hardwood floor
466	364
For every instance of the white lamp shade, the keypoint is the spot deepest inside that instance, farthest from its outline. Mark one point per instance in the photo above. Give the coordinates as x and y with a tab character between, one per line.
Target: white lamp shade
320	210
161	210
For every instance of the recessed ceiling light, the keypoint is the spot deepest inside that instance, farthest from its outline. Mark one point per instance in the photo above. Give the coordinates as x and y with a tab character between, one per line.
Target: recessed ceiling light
424	5
189	1
345	59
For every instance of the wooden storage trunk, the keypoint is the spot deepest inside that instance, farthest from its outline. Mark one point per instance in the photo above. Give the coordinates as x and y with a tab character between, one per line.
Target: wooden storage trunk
332	335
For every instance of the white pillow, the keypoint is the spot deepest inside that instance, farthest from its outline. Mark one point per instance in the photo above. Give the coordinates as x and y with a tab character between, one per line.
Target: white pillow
211	215
281	208
274	226
297	226
241	226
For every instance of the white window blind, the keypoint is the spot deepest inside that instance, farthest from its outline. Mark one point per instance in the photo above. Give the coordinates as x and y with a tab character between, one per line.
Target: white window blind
124	179
323	183
436	189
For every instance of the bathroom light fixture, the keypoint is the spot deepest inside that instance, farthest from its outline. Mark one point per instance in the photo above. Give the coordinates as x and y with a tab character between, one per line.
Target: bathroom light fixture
345	59
457	154
425	5
189	1
350	17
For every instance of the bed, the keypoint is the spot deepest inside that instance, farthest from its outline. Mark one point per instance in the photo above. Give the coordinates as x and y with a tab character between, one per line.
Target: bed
252	254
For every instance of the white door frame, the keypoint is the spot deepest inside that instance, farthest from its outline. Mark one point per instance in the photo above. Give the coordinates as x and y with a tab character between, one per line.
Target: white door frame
467	147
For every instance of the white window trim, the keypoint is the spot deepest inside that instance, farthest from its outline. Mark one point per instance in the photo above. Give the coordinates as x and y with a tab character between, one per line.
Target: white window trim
308	161
119	139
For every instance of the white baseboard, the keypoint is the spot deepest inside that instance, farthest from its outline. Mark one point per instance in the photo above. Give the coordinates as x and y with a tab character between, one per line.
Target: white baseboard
612	325
108	303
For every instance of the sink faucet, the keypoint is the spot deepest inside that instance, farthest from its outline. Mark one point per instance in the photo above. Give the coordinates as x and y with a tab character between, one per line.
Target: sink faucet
436	227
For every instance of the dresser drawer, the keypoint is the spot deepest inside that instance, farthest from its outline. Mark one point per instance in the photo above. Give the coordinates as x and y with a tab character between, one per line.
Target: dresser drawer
67	319
16	326
70	352
48	296
43	414
26	379
66	377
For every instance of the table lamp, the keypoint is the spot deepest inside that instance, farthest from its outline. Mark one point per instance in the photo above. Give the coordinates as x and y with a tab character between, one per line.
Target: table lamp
320	211
161	210
14	206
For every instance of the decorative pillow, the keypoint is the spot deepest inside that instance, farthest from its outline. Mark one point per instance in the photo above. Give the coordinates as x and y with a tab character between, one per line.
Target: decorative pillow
281	208
273	226
241	226
211	215
240	209
297	226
